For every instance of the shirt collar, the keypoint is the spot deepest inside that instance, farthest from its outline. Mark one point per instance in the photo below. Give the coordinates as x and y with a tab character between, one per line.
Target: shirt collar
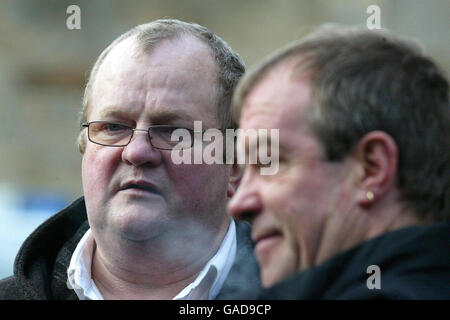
79	271
206	286
210	280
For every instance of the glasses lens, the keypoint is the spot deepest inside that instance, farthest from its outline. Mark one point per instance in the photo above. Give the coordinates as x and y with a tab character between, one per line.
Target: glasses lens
171	138
110	134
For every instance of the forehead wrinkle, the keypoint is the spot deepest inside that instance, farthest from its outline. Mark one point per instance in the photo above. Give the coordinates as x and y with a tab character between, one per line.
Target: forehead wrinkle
152	72
114	110
264	116
258	109
164	115
259	112
290	105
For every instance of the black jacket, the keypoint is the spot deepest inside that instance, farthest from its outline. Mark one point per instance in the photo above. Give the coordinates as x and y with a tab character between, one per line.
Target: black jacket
40	268
414	264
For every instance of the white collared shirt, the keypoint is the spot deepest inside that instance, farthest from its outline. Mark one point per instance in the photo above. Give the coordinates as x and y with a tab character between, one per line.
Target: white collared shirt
206	286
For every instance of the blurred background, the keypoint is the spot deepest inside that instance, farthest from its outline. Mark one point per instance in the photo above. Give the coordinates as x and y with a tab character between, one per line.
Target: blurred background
44	65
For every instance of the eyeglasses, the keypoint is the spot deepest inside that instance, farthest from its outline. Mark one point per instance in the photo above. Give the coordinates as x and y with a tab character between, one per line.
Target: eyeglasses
163	137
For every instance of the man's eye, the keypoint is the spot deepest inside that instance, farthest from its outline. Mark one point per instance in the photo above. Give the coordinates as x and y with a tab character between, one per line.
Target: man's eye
167	130
114	127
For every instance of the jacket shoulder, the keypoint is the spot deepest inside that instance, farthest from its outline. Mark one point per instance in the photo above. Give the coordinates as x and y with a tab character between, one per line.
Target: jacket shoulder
244	274
10	289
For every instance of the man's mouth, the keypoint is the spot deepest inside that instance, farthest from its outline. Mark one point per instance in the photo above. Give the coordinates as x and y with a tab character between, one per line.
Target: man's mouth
265	242
139	186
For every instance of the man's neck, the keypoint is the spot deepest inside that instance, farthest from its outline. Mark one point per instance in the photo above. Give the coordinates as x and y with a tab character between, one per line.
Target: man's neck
115	286
340	234
154	274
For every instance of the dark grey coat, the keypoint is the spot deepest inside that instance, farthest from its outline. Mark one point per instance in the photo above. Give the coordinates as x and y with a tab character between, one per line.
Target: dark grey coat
40	268
414	263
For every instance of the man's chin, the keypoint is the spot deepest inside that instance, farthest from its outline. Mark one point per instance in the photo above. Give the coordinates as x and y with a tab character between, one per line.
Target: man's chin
269	277
141	231
139	225
276	267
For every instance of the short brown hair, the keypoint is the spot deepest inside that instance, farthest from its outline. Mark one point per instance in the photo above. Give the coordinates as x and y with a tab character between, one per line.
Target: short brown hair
365	80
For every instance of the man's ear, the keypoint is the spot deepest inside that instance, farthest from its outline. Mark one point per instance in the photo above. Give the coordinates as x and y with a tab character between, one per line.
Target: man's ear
235	179
377	153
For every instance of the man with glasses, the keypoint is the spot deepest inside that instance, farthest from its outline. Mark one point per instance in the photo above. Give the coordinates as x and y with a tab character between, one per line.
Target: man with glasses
162	137
154	229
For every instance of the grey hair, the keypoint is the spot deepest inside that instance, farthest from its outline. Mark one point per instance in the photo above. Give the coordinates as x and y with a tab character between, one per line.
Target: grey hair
365	80
230	65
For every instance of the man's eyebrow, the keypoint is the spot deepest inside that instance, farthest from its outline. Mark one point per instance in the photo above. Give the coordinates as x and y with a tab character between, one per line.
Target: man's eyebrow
264	139
253	148
156	117
168	117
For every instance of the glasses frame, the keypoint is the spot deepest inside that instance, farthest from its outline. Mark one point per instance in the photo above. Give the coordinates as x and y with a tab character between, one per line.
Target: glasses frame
87	124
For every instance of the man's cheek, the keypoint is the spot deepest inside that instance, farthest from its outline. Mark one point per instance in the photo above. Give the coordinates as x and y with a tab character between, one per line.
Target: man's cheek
199	181
95	174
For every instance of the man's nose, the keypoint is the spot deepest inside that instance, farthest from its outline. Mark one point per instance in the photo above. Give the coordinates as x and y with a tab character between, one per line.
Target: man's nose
246	202
140	151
